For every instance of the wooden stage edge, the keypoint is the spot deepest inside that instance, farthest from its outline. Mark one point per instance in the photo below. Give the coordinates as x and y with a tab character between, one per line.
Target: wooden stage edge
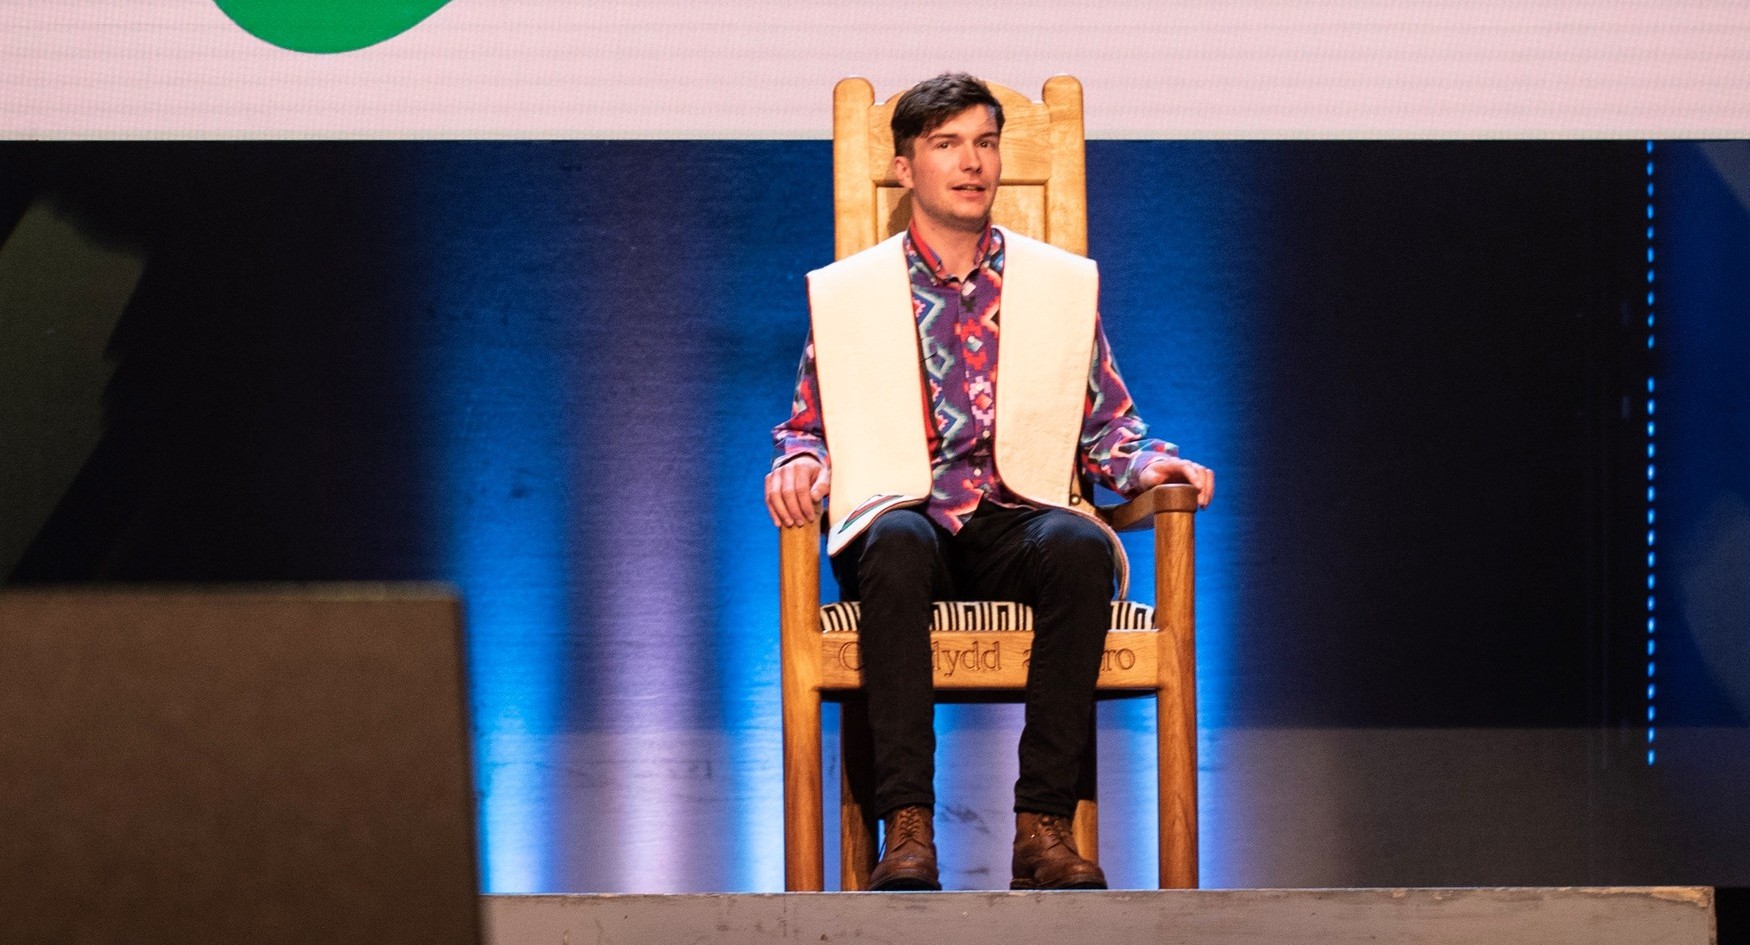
1641	915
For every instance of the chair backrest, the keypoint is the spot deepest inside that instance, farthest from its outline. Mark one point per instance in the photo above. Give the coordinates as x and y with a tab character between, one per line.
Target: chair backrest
1043	192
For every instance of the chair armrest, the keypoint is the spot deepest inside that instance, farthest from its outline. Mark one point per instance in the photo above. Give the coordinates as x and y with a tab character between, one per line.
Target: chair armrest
799	599
799	553
1140	512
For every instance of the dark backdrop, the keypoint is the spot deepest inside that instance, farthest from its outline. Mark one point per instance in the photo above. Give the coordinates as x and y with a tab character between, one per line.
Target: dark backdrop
543	371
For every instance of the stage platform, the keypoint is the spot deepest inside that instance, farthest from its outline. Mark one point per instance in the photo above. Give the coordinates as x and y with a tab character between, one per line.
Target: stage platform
1674	915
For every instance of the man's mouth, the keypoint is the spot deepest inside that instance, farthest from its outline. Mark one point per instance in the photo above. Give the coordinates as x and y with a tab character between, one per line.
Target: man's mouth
970	188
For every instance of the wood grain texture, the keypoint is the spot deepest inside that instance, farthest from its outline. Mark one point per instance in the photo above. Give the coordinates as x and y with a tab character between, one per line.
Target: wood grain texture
1022	208
854	220
1140	512
1067	191
1175	616
995	660
799	681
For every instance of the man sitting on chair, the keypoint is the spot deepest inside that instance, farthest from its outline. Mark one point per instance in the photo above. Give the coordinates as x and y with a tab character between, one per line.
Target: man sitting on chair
942	489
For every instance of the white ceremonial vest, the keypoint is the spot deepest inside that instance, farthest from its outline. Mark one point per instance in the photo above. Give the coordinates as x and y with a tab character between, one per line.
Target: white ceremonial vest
875	411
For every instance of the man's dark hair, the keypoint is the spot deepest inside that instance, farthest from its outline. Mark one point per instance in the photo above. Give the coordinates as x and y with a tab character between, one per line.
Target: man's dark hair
929	104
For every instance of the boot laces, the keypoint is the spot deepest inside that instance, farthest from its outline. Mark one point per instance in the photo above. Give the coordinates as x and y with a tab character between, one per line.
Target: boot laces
907	827
1055	831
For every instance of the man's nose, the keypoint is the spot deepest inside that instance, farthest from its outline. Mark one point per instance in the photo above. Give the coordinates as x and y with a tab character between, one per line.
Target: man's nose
971	158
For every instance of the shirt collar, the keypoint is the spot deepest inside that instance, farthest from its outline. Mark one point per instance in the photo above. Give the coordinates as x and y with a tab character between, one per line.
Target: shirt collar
990	245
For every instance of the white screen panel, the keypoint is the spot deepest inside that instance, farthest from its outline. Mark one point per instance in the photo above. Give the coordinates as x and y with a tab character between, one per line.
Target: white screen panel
764	69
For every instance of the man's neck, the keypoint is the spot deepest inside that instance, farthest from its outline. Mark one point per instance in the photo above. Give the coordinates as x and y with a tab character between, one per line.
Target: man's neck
958	249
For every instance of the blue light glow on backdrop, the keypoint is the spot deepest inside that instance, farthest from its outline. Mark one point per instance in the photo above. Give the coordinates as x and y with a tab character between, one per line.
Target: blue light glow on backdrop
497	409
1178	308
545	372
613	329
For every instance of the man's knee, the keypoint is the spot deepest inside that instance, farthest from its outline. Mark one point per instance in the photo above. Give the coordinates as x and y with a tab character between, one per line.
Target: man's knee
901	542
901	528
1071	546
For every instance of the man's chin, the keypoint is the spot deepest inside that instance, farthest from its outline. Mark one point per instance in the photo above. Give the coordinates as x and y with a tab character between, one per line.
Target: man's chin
957	222
972	224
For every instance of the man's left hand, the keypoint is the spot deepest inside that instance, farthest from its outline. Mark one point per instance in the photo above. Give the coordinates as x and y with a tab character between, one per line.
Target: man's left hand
1173	469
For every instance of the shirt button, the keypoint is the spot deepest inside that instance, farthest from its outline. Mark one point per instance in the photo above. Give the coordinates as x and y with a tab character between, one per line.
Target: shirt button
978	470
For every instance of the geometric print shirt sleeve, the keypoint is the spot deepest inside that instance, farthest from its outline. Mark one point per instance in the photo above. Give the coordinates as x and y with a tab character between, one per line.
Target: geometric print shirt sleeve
1115	445
802	434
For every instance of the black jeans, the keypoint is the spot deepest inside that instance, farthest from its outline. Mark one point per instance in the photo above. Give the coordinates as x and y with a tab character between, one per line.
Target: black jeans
1056	561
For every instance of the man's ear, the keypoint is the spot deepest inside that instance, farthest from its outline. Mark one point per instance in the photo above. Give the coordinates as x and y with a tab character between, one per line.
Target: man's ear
902	170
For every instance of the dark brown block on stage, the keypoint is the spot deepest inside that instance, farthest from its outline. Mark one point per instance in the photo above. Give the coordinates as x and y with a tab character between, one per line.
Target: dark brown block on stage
234	766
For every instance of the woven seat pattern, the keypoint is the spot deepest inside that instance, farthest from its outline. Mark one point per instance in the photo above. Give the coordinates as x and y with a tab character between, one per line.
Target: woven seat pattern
985	616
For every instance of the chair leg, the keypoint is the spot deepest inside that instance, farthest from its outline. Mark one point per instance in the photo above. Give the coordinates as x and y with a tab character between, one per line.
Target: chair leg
804	836
857	814
1176	736
1086	823
799	683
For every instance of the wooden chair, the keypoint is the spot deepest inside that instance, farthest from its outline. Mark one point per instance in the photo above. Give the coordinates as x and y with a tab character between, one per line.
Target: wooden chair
1042	194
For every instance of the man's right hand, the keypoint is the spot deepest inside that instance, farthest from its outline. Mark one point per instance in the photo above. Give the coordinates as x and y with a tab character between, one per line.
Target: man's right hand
794	491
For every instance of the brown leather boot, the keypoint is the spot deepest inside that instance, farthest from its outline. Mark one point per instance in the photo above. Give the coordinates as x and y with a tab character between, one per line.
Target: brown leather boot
1046	857
908	858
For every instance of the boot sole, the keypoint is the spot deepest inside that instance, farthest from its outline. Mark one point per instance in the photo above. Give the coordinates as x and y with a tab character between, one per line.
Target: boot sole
907	884
1024	884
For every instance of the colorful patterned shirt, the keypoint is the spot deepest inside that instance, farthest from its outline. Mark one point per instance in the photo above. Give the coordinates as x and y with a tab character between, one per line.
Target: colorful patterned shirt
958	329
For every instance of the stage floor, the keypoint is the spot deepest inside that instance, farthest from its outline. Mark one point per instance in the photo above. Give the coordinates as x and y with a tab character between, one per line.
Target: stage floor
1671	915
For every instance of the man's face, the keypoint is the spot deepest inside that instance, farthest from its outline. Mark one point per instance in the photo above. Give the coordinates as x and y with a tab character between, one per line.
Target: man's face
953	170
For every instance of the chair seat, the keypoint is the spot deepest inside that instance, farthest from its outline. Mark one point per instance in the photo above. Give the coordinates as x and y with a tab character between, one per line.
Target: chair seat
984	616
